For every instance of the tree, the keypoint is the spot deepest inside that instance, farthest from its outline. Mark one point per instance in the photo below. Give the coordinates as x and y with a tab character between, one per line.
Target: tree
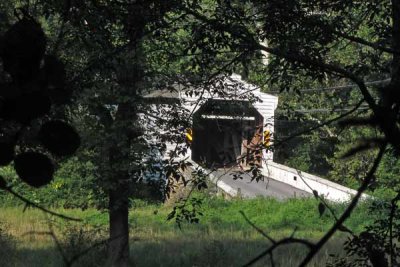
301	38
138	51
112	101
32	89
114	40
114	51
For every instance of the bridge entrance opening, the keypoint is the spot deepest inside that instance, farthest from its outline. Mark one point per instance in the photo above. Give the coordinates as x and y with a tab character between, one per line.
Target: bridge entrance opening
227	133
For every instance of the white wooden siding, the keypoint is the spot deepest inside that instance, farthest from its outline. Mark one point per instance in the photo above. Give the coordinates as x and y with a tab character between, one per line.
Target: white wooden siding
266	107
236	89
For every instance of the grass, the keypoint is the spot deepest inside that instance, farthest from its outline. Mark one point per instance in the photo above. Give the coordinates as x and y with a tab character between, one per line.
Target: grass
222	238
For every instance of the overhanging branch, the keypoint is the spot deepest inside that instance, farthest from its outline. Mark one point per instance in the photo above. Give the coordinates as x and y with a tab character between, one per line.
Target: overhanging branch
346	214
362	41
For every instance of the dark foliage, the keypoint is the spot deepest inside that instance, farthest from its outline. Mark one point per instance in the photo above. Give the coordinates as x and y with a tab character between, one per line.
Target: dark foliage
377	245
59	138
7	153
31	84
23	49
34	168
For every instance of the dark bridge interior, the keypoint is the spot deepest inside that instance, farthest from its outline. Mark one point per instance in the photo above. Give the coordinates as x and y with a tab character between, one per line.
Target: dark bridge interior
226	133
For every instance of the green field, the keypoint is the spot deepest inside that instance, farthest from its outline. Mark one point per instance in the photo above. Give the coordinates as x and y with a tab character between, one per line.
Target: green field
222	238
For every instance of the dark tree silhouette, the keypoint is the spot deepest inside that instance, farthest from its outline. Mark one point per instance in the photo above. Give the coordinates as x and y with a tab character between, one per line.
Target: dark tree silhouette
31	84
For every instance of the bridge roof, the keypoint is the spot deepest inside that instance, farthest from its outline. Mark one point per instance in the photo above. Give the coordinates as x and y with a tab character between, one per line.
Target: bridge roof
222	88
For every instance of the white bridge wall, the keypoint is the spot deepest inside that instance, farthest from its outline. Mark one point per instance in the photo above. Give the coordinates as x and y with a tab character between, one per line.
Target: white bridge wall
304	181
308	182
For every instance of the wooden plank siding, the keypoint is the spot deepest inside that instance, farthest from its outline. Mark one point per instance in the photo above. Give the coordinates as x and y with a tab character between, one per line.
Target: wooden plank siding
236	90
266	106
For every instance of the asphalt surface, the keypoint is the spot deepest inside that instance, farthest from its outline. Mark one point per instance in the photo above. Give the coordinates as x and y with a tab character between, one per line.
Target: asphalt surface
266	188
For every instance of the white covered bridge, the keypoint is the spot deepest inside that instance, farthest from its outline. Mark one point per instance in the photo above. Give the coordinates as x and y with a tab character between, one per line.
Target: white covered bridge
231	121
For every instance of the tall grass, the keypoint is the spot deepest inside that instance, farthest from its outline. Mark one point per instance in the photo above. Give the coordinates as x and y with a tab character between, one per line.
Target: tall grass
222	238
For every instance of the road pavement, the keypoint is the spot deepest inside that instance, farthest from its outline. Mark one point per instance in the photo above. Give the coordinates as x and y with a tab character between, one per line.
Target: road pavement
266	188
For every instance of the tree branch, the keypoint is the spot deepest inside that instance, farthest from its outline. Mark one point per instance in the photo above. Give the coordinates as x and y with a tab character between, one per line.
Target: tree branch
284	241
248	38
314	250
341	116
257	228
275	244
30	203
362	41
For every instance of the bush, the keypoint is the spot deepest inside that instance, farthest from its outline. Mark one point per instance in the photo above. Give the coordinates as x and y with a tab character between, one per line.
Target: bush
73	187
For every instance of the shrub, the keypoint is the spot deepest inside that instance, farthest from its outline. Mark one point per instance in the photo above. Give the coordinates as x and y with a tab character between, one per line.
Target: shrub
84	247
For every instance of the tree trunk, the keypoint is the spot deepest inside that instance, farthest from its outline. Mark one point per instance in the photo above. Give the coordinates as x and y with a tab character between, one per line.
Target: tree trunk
126	126
396	43
118	246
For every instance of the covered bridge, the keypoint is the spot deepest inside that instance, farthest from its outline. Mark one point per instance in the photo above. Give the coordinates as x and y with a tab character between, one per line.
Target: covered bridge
230	120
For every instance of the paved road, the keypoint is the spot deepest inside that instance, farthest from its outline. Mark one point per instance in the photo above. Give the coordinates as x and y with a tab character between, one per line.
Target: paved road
267	188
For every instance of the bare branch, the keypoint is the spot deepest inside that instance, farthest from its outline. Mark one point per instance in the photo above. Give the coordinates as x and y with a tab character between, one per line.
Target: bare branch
341	116
314	250
284	241
32	204
257	228
323	201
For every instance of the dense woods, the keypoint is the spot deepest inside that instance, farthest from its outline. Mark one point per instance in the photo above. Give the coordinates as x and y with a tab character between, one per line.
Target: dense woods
75	120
